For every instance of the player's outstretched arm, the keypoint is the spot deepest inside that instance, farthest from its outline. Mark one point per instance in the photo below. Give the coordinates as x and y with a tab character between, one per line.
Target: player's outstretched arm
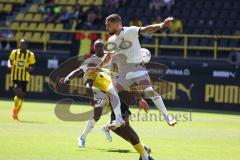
105	61
70	76
155	27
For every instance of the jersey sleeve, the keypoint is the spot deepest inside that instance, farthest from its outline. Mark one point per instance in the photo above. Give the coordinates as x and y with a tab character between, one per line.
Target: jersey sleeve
11	57
85	64
32	59
111	45
133	31
83	67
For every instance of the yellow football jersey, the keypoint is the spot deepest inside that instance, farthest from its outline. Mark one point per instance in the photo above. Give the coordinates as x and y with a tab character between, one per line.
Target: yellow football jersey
20	64
101	80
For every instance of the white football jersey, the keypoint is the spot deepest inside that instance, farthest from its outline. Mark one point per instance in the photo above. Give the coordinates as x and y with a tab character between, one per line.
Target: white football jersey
94	60
126	43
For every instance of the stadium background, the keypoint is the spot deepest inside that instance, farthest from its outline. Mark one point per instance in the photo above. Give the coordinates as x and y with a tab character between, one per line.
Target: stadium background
201	49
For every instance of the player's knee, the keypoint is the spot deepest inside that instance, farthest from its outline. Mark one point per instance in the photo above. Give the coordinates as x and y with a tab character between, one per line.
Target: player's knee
97	113
149	92
145	83
19	93
97	116
96	119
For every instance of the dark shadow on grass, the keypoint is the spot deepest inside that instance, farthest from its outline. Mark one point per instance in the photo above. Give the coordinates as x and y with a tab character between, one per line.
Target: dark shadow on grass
32	122
109	150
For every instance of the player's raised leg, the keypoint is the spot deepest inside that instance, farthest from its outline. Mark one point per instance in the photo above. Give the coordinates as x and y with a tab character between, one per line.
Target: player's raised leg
126	131
116	107
156	98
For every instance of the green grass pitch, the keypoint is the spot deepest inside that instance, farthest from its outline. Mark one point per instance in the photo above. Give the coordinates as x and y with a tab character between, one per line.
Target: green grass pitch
42	136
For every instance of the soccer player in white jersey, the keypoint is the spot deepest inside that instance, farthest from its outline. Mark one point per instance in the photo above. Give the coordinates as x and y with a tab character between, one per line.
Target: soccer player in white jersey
125	50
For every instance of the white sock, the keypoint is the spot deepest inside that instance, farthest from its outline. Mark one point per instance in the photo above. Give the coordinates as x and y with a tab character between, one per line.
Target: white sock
90	125
145	157
117	112
159	104
157	100
115	103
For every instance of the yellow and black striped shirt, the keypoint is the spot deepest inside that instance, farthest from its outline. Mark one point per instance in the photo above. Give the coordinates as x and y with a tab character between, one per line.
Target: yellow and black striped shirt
20	64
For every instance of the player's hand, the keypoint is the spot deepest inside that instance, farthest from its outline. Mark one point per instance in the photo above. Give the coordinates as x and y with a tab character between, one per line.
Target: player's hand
63	80
28	69
9	65
167	21
143	105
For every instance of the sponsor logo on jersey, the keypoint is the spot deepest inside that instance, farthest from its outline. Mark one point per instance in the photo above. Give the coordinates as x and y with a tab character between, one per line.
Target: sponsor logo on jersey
21	63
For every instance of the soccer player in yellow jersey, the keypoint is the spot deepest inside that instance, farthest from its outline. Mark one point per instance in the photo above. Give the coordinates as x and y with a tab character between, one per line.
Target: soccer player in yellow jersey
100	83
21	62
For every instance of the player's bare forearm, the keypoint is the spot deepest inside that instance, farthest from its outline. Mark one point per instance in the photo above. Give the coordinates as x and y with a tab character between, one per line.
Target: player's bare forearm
105	61
73	74
151	28
70	76
155	27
